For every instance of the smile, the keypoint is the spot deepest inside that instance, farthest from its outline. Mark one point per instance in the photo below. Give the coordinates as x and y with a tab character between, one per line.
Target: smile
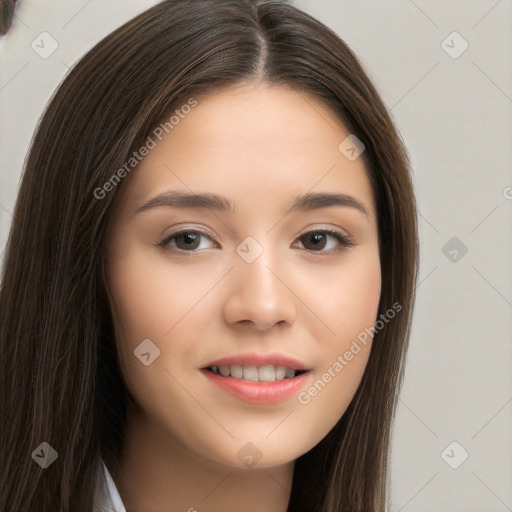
268	373
258	378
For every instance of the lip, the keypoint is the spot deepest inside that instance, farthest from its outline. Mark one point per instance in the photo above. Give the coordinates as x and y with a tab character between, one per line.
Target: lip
259	359
261	393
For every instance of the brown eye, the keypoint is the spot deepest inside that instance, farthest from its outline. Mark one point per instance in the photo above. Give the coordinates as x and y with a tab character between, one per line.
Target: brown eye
188	241
315	241
321	240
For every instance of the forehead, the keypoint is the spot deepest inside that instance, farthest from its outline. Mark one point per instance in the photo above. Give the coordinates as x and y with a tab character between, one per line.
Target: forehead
248	142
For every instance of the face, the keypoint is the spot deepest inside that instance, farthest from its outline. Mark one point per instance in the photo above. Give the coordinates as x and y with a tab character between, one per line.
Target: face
243	269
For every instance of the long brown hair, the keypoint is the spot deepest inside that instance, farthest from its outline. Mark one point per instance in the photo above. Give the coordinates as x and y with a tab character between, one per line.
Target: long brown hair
60	381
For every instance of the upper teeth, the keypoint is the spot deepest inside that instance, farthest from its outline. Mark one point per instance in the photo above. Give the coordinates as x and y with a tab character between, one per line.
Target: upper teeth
255	373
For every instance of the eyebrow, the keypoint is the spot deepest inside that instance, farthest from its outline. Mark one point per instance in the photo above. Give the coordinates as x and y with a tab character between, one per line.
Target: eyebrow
309	201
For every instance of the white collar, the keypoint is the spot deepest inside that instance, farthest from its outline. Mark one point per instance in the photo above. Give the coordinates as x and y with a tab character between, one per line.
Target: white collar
107	498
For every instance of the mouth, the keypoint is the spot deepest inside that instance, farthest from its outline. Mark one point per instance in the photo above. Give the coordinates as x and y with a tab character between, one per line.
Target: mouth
258	378
267	373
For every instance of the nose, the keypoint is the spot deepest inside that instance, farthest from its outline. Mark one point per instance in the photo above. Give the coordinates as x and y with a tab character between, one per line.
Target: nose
258	294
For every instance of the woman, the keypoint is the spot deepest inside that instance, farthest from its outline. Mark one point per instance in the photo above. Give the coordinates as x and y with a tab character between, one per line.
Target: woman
208	286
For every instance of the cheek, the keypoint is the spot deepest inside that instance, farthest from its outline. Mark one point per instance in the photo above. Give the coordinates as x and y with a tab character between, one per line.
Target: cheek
357	303
345	297
171	305
357	298
349	305
153	301
150	300
150	297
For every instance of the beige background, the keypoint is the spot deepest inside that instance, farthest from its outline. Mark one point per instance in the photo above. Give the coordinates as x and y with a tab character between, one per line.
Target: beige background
455	115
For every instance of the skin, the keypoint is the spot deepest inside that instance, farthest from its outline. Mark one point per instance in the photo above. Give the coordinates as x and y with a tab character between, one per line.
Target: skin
260	146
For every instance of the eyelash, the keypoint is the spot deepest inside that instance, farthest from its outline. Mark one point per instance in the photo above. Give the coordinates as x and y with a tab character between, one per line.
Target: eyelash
344	241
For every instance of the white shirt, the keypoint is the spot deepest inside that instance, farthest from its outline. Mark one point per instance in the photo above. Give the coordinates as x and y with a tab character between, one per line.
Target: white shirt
106	498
